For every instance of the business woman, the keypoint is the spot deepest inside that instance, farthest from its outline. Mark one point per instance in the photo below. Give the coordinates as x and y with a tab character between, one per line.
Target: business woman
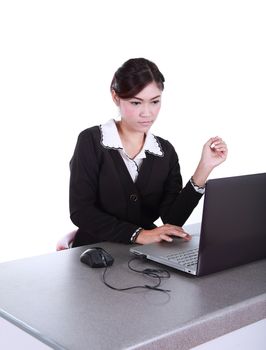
123	178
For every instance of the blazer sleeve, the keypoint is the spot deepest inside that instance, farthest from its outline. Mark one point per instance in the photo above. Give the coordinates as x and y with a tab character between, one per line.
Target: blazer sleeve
178	202
84	211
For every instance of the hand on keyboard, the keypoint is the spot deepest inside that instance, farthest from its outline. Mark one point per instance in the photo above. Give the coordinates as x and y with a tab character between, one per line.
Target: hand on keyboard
163	233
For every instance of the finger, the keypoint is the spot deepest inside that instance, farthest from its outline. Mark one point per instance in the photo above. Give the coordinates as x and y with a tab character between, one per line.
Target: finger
212	140
173	227
217	143
169	237
178	233
166	238
172	230
187	237
220	148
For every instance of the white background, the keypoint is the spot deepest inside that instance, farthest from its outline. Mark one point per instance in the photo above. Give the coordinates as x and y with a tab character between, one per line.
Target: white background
57	60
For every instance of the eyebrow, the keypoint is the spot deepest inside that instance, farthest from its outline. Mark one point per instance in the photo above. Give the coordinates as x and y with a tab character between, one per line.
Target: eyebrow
141	99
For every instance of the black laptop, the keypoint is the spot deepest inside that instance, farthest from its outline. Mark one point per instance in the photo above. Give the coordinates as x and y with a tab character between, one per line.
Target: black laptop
232	231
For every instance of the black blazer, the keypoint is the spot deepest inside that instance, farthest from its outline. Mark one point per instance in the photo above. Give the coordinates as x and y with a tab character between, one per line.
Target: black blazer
105	203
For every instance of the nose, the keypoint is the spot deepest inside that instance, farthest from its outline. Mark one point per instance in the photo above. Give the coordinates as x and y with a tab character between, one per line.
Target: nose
145	111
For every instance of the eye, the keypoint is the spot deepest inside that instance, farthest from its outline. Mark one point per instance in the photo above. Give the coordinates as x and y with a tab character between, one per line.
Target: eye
155	102
135	103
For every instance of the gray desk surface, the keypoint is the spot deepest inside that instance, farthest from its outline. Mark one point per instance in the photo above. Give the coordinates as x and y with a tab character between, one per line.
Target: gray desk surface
65	304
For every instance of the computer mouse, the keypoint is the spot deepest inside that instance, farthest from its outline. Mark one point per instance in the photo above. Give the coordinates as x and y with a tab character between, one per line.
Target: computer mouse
96	257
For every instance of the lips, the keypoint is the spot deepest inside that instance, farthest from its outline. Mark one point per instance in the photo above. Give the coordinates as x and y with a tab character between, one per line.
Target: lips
146	123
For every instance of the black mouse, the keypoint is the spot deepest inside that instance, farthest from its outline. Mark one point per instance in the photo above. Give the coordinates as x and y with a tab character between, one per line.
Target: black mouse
96	257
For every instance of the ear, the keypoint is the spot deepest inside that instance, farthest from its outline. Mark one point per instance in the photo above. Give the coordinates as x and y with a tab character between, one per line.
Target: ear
115	98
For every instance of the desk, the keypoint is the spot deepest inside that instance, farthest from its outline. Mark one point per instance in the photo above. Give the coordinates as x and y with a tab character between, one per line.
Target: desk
64	303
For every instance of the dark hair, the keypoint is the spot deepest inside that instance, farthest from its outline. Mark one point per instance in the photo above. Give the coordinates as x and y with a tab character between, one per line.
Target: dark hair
134	75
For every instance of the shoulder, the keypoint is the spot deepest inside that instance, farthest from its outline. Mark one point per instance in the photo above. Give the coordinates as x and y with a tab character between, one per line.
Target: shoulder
90	136
91	132
166	147
103	134
88	141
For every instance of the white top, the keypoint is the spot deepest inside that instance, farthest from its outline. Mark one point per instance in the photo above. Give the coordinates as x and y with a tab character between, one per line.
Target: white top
111	139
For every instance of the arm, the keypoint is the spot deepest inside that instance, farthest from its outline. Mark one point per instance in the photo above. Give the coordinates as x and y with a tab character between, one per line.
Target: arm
85	211
177	207
178	201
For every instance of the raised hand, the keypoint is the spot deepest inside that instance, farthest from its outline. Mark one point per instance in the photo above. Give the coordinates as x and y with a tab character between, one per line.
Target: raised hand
214	153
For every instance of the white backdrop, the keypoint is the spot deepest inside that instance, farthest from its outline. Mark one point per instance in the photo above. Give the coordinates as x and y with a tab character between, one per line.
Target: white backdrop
56	63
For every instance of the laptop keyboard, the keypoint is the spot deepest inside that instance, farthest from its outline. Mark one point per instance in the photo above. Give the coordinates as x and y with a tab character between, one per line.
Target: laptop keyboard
187	258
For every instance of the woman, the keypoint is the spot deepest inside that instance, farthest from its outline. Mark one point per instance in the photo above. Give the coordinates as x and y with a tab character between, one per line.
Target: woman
123	178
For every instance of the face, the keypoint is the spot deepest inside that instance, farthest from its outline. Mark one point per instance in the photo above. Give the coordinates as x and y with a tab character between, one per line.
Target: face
139	113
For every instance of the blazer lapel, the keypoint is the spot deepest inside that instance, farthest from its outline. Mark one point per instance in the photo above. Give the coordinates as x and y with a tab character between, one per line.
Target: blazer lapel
145	171
123	173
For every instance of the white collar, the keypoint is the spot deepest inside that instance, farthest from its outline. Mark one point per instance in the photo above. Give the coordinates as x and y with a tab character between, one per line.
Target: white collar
111	139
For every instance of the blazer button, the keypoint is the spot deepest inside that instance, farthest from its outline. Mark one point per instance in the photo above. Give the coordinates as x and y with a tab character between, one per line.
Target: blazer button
133	197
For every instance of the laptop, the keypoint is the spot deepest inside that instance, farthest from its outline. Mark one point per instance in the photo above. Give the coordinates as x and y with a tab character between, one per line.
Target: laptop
232	231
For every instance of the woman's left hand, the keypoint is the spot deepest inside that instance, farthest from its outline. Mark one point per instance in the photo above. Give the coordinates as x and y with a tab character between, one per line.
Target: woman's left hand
214	152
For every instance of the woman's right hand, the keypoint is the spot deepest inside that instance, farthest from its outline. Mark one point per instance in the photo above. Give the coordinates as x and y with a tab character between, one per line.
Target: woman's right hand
162	233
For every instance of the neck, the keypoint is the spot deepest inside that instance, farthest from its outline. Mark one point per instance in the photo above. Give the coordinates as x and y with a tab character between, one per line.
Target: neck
132	141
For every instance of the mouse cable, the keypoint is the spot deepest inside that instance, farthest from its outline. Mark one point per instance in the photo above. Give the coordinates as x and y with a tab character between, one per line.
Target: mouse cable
159	274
